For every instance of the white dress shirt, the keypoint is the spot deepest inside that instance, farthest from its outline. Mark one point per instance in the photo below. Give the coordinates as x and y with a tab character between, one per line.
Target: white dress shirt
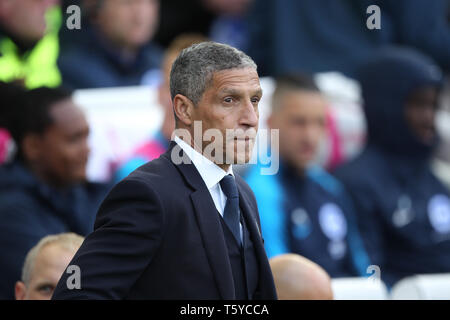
211	174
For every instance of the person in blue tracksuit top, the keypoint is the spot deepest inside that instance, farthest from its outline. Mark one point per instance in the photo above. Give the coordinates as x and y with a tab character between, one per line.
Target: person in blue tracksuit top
403	210
303	209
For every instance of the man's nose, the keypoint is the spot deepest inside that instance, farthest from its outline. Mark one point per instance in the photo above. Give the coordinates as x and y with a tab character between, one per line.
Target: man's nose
249	115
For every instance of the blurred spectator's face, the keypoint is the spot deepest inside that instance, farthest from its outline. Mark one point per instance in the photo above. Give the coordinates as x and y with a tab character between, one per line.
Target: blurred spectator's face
128	23
49	265
420	113
301	118
25	18
60	154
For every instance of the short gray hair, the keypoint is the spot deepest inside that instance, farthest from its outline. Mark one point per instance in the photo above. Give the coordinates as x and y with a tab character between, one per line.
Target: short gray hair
69	241
193	69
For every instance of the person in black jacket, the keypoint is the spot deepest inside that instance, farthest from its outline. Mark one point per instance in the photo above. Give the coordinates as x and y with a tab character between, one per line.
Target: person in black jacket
184	226
403	210
44	190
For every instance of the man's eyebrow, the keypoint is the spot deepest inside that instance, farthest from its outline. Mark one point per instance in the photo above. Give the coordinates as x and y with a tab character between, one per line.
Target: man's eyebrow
259	92
237	91
230	91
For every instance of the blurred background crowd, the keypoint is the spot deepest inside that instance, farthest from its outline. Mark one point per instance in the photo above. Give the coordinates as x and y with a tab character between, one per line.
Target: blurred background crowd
363	116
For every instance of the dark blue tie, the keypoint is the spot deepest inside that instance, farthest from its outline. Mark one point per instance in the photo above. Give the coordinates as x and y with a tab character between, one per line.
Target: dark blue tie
231	214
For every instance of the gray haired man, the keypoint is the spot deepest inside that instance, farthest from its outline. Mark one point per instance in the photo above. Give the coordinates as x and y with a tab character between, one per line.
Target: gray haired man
44	264
186	229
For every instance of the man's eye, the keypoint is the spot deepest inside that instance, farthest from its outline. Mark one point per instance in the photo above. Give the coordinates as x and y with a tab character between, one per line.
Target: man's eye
228	100
46	289
255	100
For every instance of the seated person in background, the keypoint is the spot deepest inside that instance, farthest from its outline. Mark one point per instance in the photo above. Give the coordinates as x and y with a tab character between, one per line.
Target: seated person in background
44	190
29	42
160	142
403	210
303	209
297	278
115	49
44	265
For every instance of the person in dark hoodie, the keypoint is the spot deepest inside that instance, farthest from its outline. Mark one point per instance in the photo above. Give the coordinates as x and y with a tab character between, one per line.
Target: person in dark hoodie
403	210
44	190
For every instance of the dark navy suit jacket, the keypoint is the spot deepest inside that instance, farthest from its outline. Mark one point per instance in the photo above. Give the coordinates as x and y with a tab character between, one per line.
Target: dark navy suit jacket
158	236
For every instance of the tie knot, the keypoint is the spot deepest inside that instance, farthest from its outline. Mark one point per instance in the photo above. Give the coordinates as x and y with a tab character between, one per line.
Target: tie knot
228	186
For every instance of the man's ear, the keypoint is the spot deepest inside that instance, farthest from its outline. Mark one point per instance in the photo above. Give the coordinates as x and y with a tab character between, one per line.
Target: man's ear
31	147
20	290
184	109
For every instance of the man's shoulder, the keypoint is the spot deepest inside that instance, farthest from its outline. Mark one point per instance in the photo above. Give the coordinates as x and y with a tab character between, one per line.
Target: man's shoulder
160	175
324	182
18	205
156	169
17	186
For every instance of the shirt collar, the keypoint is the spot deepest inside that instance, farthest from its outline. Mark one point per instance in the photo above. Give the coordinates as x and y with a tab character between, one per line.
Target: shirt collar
211	173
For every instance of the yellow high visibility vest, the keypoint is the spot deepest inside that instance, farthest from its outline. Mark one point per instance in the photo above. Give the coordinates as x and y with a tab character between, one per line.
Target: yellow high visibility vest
39	66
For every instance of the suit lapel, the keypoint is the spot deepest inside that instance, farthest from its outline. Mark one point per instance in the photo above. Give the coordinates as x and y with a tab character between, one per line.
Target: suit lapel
266	285
214	242
209	225
212	233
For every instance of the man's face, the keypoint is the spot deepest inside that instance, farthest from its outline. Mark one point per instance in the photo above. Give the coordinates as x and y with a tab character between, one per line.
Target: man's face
49	265
63	149
25	18
301	118
420	112
231	102
128	23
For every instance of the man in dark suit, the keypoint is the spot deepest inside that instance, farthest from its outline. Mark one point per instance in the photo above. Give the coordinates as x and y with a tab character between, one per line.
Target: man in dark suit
184	226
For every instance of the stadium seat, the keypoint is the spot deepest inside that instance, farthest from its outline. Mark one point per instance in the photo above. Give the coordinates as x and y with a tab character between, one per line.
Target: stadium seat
423	287
359	289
